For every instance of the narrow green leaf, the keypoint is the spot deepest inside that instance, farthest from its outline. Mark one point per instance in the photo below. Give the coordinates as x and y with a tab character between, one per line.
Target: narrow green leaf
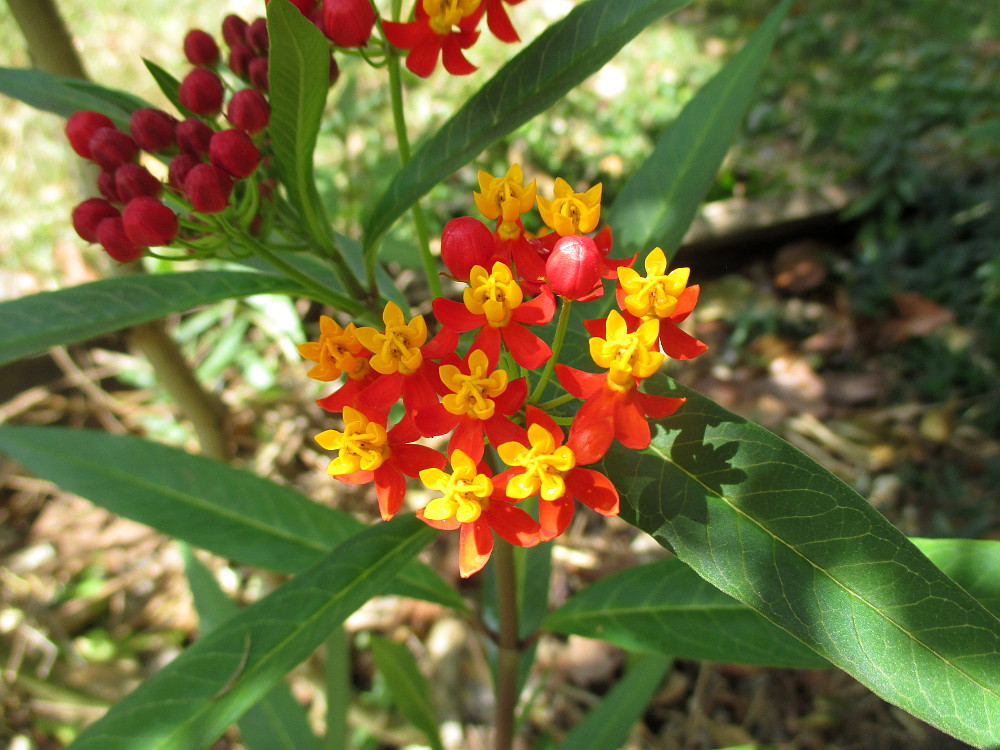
658	203
230	512
564	55
773	529
197	696
168	85
408	686
66	316
63	96
665	607
607	726
277	721
298	69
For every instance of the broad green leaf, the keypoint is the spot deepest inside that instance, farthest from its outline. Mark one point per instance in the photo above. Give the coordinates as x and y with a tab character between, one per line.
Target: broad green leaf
192	700
665	607
972	563
298	68
658	203
563	56
66	316
230	512
63	96
277	721
768	526
409	688
607	726
168	85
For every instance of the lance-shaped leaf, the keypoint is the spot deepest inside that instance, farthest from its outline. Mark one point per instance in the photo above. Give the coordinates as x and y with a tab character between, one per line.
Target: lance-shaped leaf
298	69
63	96
666	607
770	527
607	725
277	721
169	85
408	687
563	56
193	699
658	203
67	316
230	512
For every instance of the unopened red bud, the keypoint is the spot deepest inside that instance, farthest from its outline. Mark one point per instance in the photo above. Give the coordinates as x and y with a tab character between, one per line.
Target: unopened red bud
249	111
201	91
348	22
134	180
334	70
106	186
89	214
200	48
179	167
306	7
111	235
240	57
257	36
234	29
208	188
257	71
234	152
153	129
466	242
80	128
193	136
149	223
111	148
574	267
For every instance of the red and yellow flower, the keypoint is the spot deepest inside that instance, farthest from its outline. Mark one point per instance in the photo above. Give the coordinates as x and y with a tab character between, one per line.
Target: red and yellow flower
571	212
545	467
441	28
505	199
470	502
338	351
494	303
367	452
661	296
613	406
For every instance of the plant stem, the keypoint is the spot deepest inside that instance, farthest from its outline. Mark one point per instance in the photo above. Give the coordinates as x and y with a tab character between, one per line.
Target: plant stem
49	43
557	344
419	218
509	653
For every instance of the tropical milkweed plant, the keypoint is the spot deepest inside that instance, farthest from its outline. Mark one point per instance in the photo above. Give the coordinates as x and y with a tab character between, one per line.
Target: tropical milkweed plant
535	392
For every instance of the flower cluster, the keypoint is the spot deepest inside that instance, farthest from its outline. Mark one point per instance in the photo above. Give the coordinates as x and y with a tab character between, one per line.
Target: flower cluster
445	29
494	393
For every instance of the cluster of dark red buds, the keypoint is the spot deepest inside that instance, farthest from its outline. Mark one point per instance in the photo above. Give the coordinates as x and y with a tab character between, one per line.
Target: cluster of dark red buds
205	161
346	23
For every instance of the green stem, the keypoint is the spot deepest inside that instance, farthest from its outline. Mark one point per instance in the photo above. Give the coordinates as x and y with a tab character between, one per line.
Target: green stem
556	402
557	344
509	653
419	218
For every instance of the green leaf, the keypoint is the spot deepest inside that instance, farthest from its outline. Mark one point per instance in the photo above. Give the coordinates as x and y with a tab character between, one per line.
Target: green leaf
768	526
168	85
197	696
564	55
63	96
230	512
277	721
607	726
408	686
972	563
66	316
658	203
665	607
298	69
